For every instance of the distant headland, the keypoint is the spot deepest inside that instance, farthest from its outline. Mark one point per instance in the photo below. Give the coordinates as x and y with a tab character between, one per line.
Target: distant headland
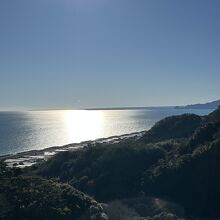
208	105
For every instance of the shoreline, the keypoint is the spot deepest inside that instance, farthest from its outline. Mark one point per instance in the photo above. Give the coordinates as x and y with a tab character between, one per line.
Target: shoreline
29	158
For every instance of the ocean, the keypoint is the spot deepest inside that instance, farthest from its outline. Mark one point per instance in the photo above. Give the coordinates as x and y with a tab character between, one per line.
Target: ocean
35	130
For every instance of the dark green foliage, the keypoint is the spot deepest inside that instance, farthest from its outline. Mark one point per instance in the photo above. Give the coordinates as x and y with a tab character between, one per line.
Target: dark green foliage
106	172
181	126
191	179
37	198
214	116
8	172
204	135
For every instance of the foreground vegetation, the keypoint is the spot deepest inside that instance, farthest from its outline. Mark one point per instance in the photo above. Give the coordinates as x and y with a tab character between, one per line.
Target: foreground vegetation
31	197
172	172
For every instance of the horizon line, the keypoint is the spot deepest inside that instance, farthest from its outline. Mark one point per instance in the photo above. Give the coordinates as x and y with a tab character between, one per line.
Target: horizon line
111	108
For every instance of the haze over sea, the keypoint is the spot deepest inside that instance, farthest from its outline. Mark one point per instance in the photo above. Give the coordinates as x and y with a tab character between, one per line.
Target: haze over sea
34	130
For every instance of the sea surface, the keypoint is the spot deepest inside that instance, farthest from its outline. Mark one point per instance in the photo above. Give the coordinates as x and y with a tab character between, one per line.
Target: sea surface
33	130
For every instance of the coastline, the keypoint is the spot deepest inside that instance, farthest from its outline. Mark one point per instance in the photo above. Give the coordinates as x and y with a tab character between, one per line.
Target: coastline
29	158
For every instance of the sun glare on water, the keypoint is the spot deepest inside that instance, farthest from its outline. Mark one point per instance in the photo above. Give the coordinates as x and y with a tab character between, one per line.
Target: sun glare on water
81	125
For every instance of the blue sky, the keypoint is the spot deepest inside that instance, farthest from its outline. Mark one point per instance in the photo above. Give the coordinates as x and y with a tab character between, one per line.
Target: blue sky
108	53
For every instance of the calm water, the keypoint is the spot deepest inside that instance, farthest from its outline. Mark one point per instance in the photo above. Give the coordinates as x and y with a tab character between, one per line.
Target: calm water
22	131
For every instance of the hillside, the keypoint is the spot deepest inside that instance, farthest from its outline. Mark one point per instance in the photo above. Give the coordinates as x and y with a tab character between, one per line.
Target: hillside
31	197
172	172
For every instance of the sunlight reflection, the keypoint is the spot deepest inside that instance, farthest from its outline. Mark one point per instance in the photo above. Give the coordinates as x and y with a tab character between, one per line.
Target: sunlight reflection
82	125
